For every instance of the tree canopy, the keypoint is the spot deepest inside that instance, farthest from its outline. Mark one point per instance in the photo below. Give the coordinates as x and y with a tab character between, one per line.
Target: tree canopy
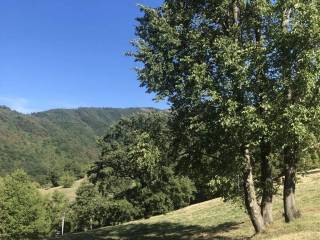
242	78
22	210
136	165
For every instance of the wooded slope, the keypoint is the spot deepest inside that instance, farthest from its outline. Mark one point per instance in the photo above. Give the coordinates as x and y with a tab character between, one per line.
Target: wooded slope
54	140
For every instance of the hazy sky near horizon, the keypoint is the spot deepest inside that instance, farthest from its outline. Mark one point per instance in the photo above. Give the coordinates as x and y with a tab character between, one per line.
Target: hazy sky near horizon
67	54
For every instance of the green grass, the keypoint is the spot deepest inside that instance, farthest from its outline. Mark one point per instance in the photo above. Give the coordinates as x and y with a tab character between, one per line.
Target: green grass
70	193
216	219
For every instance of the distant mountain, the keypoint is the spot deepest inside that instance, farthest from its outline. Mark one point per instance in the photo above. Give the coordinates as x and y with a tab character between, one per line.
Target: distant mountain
50	142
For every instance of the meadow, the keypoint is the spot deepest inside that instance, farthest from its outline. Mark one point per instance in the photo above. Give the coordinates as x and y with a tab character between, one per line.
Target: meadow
216	219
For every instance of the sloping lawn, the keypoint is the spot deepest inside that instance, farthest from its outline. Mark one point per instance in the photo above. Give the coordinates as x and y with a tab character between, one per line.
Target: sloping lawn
216	219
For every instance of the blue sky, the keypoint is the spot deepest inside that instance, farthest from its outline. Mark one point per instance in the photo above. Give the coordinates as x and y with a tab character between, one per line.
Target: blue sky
69	53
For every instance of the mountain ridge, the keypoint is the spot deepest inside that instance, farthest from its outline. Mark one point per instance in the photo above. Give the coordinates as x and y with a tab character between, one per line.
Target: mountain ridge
57	140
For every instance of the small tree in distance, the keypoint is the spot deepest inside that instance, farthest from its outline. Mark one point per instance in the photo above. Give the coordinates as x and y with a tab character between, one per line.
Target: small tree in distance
67	180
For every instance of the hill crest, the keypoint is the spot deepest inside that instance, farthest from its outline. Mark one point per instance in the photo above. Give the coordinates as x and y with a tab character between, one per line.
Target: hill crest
45	142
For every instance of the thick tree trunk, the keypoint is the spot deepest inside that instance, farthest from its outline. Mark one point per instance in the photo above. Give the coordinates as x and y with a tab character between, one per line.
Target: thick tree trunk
251	203
266	210
290	210
267	183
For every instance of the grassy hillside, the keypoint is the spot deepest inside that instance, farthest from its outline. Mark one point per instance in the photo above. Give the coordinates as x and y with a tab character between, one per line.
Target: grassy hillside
54	140
218	220
70	193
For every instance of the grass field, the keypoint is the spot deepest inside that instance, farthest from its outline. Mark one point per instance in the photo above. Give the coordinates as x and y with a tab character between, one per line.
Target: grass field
70	193
218	220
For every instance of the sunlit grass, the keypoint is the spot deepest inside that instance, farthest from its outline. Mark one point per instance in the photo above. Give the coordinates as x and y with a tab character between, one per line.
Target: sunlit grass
218	220
70	193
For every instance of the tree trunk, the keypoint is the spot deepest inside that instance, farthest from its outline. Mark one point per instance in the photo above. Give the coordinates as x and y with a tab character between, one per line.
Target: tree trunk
265	145
236	13
251	203
62	224
290	152
91	221
289	187
267	183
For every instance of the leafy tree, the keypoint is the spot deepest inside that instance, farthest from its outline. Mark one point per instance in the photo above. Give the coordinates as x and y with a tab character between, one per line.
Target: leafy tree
66	180
297	65
22	210
136	155
75	168
86	205
113	212
58	208
92	210
228	69
200	65
54	173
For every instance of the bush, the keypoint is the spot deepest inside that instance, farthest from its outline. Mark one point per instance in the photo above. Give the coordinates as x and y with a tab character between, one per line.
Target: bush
157	203
181	190
117	211
67	180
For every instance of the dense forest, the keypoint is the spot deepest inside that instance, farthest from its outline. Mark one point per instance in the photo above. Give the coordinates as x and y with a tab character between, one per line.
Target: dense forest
47	144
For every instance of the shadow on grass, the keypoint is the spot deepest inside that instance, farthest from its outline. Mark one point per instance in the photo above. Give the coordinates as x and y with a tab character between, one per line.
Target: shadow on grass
158	231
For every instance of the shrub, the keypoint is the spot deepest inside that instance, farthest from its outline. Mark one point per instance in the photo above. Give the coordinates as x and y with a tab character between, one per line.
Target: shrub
67	180
117	211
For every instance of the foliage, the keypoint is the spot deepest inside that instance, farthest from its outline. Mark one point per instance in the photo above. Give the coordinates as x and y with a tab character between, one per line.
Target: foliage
86	206
204	72
242	78
220	75
22	210
92	210
58	207
297	64
46	144
66	180
136	165
114	212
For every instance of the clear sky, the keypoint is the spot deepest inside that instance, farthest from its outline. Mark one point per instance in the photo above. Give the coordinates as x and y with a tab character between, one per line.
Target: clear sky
69	53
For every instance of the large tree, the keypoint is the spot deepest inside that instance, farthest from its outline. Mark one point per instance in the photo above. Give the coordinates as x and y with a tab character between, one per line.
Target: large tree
296	65
136	165
222	65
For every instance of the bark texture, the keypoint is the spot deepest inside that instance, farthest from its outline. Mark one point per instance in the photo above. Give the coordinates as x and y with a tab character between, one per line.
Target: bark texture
251	203
290	210
267	183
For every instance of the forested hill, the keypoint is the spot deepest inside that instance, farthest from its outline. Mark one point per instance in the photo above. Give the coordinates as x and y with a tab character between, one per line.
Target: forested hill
46	144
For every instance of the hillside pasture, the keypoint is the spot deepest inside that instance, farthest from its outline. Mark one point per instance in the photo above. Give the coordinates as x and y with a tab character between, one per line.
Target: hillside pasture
70	193
216	219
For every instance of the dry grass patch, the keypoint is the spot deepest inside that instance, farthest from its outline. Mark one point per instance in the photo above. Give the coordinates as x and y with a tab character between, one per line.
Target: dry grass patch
70	193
